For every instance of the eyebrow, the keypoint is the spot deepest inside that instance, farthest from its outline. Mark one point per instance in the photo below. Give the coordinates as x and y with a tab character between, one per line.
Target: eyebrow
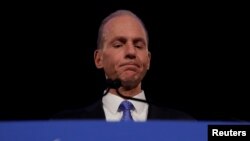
136	40
124	39
119	38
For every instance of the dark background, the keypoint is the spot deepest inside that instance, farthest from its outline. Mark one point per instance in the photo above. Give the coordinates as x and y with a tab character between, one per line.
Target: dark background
199	57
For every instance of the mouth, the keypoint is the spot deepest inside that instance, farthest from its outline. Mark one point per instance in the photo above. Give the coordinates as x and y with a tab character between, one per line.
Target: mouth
130	65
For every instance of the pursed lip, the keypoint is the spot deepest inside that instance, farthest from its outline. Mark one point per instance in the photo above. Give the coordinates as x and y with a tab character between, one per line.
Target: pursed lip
130	64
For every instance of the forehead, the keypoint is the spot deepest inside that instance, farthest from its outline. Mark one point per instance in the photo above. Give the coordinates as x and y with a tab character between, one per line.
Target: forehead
124	25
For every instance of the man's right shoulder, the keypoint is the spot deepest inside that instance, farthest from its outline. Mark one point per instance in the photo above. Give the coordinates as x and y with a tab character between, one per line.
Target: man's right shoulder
93	111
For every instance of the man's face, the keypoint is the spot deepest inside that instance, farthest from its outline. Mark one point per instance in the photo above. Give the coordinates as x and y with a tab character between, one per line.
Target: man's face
124	54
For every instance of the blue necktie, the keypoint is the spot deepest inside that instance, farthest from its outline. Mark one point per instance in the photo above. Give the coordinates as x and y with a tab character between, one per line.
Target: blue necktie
126	106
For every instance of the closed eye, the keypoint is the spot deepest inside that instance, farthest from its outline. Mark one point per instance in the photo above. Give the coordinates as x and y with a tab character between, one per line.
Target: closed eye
139	45
117	44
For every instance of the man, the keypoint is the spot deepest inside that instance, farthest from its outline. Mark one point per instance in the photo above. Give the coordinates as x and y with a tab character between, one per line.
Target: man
122	52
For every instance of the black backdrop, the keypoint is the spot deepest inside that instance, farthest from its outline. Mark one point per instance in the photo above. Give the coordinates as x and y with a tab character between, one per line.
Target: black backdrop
199	58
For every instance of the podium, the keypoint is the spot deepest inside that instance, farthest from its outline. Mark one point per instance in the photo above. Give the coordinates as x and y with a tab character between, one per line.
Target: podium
90	130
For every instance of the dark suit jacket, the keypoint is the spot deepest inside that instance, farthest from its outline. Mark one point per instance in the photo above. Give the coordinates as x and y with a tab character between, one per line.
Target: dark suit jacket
95	111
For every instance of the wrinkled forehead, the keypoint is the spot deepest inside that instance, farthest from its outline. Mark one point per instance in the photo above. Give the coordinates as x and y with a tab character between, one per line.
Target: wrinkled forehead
124	25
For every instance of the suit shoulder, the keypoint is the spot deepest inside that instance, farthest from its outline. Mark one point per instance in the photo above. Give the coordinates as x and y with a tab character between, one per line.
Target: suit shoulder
157	112
93	111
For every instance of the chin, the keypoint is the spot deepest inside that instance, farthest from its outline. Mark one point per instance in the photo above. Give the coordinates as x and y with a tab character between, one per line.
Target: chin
130	84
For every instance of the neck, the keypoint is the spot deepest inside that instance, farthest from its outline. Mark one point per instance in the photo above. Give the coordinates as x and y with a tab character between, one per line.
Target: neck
128	92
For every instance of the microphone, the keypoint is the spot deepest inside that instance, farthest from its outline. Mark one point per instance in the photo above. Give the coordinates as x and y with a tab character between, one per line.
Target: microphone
116	84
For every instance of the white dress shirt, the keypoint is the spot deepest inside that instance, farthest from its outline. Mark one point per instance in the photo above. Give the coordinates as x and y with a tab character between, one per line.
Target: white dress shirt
111	104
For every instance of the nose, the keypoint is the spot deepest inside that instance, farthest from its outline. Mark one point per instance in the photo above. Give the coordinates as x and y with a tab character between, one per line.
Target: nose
130	51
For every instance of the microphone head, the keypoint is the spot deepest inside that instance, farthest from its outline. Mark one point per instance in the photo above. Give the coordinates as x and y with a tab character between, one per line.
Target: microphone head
115	84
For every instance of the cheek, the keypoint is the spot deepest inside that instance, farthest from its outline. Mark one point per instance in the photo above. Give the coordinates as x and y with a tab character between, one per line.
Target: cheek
109	64
145	66
146	63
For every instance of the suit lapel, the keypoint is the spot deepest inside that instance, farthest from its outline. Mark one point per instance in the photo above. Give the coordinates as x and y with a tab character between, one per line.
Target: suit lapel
153	112
96	111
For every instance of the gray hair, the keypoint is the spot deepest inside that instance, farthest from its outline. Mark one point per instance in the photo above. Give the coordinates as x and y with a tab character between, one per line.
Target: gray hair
111	16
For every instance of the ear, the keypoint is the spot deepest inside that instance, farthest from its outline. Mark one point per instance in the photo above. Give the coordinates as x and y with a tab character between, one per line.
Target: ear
98	58
149	59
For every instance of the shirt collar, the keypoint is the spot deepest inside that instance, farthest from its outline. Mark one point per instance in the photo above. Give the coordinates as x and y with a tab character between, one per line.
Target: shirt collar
112	102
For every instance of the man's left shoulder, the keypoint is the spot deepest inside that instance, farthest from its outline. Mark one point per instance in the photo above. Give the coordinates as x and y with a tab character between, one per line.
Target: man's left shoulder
158	112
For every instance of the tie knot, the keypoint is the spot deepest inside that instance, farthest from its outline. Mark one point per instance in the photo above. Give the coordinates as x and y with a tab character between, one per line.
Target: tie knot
126	105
